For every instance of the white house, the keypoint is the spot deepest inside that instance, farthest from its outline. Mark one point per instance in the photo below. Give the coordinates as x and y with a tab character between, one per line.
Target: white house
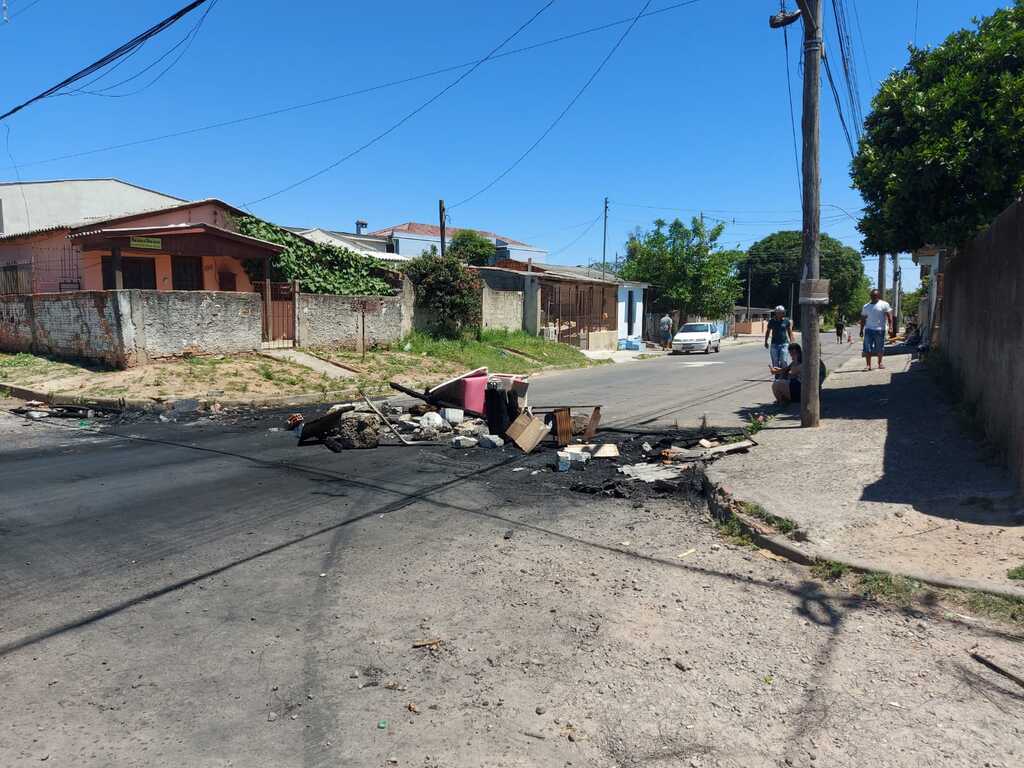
374	246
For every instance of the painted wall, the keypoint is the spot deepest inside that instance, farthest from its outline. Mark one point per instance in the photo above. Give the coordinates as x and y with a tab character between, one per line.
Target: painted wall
981	327
623	310
173	323
502	309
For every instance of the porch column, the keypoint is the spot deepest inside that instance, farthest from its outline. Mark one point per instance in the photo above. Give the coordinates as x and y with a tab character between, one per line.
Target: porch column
115	263
266	298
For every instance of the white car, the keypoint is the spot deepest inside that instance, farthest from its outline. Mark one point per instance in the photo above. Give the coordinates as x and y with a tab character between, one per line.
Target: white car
697	337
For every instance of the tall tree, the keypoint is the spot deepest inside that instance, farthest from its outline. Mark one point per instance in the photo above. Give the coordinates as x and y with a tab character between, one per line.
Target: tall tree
692	271
943	147
775	268
472	247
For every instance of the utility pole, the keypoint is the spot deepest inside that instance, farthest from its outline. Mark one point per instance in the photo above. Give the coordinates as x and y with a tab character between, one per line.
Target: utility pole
604	243
810	404
896	290
748	286
881	274
441	216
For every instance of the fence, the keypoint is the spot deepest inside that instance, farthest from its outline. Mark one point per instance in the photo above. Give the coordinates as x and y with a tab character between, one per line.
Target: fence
981	325
575	310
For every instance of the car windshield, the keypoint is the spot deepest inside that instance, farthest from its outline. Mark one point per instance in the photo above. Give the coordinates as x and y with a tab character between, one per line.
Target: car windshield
694	328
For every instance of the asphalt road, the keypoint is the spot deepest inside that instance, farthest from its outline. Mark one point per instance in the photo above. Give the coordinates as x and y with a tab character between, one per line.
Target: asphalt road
677	388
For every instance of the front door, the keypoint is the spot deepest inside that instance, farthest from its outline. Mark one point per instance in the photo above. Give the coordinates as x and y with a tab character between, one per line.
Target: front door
187	273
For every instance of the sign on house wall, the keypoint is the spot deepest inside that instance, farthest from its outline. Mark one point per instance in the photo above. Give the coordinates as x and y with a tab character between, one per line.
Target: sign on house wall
149	243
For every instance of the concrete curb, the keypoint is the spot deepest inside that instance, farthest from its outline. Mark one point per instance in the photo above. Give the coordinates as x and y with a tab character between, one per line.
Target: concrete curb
725	506
58	398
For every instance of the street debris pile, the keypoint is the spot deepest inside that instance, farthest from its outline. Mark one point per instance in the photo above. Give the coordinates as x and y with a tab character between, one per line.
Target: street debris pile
478	410
37	409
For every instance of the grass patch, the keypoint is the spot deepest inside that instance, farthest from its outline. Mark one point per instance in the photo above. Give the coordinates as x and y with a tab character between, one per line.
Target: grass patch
733	531
757	422
1016	573
887	586
782	524
536	348
829	570
1006	609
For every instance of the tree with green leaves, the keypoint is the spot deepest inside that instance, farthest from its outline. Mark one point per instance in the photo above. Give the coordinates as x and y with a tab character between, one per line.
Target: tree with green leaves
319	267
943	147
448	290
776	267
472	247
686	263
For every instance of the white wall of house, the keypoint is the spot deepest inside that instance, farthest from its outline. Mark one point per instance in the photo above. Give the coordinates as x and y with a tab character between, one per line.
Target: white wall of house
631	294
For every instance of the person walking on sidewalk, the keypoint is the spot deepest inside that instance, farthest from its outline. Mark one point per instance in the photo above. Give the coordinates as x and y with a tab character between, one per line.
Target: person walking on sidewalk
780	335
840	327
665	327
875	319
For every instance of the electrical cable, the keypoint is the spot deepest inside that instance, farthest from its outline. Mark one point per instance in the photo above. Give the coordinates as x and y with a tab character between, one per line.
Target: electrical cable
578	237
187	40
405	118
839	105
562	114
110	58
792	115
860	35
340	96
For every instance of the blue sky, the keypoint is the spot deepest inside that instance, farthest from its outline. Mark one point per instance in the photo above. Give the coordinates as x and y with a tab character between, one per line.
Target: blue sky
691	113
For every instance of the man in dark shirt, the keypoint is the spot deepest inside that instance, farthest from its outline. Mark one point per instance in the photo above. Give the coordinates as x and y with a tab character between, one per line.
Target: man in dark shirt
780	336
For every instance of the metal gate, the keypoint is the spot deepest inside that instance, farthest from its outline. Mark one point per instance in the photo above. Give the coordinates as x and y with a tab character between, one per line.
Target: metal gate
571	310
279	316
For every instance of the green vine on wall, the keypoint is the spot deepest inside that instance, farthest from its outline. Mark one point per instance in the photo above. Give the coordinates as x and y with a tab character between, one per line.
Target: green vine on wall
319	267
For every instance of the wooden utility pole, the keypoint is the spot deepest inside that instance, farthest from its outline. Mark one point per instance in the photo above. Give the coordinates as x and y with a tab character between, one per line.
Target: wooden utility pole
810	405
748	287
881	274
604	243
440	218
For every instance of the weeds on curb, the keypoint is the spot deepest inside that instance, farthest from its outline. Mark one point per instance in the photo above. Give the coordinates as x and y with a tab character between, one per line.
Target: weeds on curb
829	570
1016	573
733	531
782	524
886	586
757	422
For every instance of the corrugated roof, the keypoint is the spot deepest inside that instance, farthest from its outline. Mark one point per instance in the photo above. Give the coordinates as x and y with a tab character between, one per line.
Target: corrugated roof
177	229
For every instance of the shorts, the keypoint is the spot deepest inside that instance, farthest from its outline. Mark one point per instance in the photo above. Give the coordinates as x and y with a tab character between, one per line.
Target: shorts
874	341
779	354
666	337
794	390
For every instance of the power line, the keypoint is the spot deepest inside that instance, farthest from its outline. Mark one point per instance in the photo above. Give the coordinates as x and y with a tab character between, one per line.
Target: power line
849	66
340	96
839	105
561	114
110	58
578	237
917	10
187	40
792	117
405	118
860	34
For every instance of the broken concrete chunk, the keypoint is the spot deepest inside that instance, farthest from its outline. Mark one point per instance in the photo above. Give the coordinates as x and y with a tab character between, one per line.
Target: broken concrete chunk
649	473
453	415
433	419
426	433
462	441
490	441
359	430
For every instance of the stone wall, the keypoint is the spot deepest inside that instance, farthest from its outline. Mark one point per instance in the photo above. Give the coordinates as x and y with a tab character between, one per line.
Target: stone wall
502	309
335	321
126	328
982	323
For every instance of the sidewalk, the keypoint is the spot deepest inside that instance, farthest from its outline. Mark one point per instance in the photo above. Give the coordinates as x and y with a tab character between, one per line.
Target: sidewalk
889	479
652	350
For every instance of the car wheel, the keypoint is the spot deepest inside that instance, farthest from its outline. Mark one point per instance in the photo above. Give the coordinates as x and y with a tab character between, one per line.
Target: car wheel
718	347
707	349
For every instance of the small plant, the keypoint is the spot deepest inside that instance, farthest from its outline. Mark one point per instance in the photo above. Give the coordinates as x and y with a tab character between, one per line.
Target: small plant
781	524
266	371
829	570
1016	573
757	422
888	586
733	531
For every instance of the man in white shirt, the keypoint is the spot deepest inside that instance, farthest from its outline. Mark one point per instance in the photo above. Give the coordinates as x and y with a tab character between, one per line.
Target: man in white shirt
875	318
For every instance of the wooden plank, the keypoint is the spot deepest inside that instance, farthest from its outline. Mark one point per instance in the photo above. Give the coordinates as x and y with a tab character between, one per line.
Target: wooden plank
563	426
595	420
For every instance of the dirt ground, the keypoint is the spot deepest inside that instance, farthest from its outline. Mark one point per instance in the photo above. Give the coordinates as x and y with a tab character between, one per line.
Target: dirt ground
506	620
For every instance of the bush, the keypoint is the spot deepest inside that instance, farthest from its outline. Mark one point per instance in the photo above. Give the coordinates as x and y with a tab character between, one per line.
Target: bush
449	292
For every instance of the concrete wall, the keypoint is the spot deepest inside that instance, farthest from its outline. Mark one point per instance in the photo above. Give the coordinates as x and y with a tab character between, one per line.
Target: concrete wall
502	309
335	321
171	323
594	341
126	328
982	324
